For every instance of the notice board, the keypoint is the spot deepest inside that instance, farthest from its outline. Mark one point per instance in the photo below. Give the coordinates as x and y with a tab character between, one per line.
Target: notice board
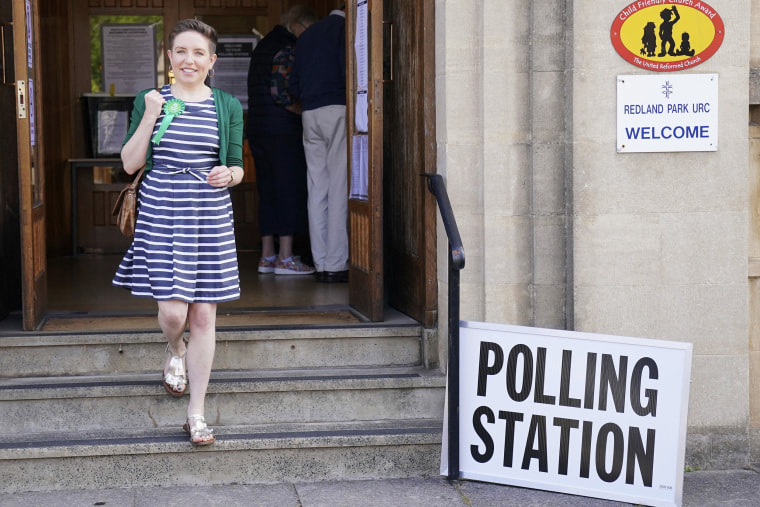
129	58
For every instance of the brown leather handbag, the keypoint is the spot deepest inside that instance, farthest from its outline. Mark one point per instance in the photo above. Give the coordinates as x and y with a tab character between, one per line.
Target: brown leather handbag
125	209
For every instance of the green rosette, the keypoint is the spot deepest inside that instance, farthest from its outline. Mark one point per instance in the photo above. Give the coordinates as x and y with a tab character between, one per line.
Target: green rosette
172	109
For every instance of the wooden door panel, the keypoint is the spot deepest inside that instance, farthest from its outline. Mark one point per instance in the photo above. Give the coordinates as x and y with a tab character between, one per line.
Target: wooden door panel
38	264
98	188
365	217
30	163
410	150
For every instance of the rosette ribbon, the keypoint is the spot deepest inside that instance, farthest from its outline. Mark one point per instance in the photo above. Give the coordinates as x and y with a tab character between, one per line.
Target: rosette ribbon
172	109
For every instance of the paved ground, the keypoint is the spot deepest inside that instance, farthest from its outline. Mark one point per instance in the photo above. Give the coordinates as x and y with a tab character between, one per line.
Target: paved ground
737	488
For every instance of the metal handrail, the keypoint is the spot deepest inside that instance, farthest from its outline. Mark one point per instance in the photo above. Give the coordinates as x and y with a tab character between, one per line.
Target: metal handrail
438	189
456	263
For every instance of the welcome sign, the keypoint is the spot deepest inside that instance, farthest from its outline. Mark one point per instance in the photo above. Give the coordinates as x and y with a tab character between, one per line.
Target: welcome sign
667	36
586	414
672	112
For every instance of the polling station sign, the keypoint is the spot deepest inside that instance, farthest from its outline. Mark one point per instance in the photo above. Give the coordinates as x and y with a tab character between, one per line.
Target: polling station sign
674	112
666	36
586	414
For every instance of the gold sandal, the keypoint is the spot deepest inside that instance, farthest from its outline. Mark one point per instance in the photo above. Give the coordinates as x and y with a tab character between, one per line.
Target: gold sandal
200	433
175	378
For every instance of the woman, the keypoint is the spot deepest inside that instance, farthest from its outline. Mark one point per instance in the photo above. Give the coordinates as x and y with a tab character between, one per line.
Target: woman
276	139
189	137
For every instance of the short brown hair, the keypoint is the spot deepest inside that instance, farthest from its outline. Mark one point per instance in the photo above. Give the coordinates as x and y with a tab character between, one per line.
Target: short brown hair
195	25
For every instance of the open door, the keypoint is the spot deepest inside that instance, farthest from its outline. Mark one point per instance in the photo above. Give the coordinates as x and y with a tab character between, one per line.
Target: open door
410	151
364	76
392	229
30	173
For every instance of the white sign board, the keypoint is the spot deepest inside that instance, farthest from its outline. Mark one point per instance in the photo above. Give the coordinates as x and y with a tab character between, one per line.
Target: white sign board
129	58
361	50
674	112
586	414
231	68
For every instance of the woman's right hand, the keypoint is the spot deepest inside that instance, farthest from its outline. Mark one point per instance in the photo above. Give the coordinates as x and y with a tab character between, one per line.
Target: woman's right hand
134	151
154	101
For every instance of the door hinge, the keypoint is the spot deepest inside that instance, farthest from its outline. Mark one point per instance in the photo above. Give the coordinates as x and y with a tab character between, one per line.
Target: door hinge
21	98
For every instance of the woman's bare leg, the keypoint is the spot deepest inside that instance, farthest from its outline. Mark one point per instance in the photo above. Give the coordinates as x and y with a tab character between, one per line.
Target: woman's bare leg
172	317
200	353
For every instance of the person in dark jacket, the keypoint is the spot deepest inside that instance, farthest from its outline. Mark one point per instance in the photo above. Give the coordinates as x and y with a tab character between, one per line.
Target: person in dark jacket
275	137
319	81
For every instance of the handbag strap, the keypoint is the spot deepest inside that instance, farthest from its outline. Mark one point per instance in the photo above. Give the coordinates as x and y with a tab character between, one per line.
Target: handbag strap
134	184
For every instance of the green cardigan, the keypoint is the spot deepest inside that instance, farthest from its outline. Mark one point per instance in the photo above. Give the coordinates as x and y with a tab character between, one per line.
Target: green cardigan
229	115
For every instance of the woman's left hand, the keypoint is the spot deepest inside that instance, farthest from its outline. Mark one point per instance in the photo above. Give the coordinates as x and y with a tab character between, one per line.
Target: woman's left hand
220	176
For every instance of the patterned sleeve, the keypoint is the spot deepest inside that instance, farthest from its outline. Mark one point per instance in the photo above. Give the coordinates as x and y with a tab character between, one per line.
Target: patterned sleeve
279	87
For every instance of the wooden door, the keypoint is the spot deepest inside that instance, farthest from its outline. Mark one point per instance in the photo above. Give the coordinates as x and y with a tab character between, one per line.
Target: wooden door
392	231
365	206
410	151
30	162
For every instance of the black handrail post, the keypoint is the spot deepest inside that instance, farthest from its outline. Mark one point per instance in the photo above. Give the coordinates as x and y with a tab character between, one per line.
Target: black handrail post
453	369
456	263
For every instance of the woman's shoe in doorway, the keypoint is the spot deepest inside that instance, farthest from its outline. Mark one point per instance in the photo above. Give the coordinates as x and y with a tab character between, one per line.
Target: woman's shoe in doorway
267	265
292	266
175	376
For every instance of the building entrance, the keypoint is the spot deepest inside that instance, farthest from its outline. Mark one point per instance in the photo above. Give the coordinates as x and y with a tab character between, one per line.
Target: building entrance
73	249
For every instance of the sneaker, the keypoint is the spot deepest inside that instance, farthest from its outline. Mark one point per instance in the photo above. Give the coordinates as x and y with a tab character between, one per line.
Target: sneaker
293	266
267	266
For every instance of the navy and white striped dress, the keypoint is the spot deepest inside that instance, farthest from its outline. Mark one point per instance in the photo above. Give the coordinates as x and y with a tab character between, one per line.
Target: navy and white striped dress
184	245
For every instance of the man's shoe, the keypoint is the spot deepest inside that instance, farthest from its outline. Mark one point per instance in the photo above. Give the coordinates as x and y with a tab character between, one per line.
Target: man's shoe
333	276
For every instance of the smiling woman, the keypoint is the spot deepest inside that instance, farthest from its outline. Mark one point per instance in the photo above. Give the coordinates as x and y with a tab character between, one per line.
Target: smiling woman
188	138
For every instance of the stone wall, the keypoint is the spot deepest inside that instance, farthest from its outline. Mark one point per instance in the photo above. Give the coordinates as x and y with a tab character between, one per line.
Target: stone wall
754	232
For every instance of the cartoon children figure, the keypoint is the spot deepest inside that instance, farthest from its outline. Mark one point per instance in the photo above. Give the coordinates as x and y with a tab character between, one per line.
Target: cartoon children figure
685	49
649	39
666	31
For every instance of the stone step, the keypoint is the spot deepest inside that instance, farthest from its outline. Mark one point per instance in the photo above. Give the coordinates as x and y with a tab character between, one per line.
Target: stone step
265	453
139	401
293	403
57	354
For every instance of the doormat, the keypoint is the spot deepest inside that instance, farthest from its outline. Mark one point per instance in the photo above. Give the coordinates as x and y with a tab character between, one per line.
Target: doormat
273	318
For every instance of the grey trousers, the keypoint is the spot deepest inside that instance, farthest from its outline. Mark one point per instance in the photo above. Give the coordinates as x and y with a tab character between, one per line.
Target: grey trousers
324	142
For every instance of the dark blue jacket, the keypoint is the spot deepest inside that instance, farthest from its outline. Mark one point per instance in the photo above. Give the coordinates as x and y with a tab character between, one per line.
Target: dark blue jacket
319	74
265	117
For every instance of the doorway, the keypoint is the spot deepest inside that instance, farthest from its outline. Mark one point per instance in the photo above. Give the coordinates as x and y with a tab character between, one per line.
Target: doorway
83	277
80	282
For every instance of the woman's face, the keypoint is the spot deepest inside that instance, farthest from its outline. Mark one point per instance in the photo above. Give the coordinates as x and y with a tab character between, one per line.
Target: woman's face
191	58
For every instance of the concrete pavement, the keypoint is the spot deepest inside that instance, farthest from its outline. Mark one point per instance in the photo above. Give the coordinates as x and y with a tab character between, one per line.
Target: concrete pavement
734	488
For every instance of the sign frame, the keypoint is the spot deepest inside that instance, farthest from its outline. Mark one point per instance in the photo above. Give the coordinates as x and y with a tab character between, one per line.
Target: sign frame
667	367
